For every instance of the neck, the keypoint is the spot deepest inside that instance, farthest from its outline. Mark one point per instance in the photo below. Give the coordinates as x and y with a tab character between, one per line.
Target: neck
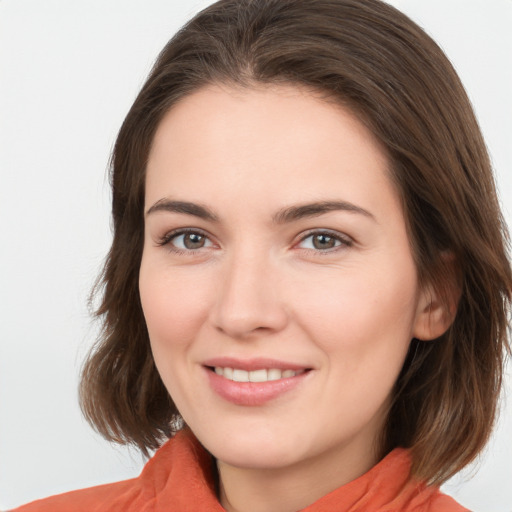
291	488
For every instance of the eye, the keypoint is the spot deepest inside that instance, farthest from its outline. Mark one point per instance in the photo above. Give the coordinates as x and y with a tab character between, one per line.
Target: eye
323	241
186	240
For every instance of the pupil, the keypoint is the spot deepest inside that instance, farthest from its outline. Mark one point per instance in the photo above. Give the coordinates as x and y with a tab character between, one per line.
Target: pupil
193	241
323	242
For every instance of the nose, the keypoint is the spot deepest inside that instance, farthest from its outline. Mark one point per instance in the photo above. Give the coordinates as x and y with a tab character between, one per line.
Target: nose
249	298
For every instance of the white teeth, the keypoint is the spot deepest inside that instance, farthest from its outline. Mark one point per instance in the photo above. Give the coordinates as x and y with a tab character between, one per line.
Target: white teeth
274	374
262	375
240	375
258	376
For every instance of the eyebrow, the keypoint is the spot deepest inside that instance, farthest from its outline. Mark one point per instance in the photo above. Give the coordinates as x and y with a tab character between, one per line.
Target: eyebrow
289	214
294	213
197	210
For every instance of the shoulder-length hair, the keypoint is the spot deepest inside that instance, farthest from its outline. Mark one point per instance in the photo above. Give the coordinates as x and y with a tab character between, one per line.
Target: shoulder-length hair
372	59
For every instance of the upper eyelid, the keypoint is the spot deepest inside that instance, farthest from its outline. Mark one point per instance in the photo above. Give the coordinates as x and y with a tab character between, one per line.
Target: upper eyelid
343	237
169	235
330	232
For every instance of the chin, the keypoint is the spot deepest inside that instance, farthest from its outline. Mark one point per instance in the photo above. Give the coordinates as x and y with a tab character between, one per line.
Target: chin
261	458
251	451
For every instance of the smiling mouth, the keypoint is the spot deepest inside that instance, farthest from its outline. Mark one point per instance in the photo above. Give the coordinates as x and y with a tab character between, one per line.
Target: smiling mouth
260	375
254	382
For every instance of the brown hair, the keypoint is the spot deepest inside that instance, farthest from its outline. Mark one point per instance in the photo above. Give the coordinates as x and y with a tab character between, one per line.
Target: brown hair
371	58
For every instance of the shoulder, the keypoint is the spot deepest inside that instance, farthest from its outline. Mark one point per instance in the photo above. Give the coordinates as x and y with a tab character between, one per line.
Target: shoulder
118	496
86	499
442	503
431	499
178	465
399	491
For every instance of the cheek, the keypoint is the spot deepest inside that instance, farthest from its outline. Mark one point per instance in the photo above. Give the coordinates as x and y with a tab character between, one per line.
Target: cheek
362	323
361	310
174	310
174	306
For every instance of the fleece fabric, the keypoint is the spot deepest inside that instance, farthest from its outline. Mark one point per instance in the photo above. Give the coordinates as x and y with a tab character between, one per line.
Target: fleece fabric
180	478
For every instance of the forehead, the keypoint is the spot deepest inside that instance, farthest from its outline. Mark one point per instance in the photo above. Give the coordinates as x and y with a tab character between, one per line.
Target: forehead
226	141
285	110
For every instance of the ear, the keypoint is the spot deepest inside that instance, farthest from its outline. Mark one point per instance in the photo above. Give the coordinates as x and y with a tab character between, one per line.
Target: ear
437	305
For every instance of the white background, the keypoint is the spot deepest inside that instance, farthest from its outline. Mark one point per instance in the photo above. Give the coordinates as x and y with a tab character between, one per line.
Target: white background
69	71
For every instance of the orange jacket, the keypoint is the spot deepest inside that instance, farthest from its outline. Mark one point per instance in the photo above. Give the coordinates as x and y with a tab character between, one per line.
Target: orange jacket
179	478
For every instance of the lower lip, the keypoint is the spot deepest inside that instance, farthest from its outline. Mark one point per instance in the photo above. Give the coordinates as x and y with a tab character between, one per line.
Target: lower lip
252	393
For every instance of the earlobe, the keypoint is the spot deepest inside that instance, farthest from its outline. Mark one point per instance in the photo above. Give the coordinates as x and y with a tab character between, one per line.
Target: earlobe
433	318
437	305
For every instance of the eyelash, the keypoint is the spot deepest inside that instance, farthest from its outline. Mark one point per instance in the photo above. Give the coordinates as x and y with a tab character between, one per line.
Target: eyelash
167	239
343	241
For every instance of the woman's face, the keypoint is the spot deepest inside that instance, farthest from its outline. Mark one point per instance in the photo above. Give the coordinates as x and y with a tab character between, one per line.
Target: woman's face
276	252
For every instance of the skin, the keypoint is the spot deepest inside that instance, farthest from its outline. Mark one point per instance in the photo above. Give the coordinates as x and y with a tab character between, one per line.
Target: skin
256	285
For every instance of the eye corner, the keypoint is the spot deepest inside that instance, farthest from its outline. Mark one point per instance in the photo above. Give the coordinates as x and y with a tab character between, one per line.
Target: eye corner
323	241
197	240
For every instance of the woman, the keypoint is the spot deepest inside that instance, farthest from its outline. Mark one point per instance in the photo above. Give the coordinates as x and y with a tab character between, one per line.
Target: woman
308	269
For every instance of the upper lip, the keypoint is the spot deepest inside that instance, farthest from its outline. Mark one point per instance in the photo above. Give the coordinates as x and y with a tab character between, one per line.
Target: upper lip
259	363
